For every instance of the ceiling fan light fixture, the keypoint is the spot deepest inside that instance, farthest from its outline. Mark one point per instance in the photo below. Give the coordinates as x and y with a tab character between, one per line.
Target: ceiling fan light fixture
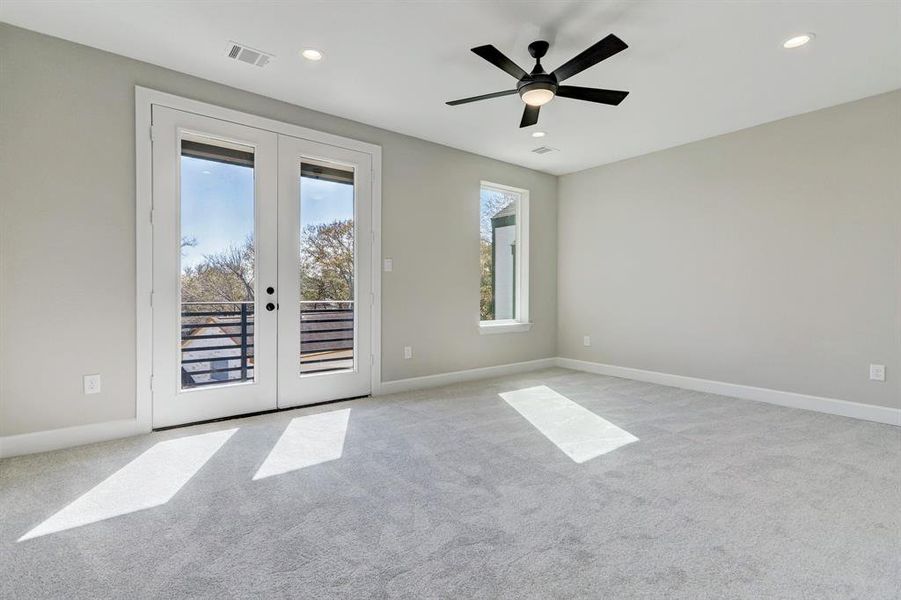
537	94
537	97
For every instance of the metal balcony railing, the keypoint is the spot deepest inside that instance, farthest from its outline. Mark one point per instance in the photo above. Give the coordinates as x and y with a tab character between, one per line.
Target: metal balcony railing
217	341
326	336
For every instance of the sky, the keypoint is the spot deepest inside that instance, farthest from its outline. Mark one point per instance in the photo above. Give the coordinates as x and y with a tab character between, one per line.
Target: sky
217	205
491	202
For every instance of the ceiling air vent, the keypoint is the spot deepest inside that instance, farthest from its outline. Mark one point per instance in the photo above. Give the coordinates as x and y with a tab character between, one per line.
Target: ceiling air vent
543	150
248	55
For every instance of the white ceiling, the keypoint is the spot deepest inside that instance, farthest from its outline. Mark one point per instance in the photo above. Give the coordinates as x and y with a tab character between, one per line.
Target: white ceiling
695	69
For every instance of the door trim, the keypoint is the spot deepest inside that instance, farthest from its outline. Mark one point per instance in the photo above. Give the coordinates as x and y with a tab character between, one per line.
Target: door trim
144	99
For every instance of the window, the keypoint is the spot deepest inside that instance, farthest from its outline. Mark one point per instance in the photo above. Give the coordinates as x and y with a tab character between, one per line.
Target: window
503	259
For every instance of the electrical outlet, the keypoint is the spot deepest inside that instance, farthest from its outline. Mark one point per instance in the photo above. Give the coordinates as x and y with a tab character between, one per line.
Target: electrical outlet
877	372
91	384
586	340
408	352
388	265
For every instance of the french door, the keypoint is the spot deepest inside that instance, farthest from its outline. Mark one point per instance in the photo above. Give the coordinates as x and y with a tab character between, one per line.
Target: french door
261	276
325	246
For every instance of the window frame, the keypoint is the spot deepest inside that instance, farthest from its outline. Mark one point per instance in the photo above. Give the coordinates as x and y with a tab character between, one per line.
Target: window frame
520	321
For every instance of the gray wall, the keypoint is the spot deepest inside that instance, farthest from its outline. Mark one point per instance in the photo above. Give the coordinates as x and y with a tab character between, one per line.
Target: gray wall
768	257
67	254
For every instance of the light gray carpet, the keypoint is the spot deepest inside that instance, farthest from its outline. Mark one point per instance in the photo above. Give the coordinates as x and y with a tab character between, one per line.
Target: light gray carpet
450	493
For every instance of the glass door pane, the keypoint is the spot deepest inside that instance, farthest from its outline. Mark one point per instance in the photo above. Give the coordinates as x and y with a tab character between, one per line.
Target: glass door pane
326	310
218	257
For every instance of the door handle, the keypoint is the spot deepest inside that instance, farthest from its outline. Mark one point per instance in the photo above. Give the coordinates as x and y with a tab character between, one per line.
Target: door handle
270	306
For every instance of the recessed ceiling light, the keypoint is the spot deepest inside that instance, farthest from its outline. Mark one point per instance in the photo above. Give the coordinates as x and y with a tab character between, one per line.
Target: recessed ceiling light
311	54
538	134
798	40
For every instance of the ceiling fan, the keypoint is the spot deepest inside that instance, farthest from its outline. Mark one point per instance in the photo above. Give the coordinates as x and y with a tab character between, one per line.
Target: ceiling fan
539	87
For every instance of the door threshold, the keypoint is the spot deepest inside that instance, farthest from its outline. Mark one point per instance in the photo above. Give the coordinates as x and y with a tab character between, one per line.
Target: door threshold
258	413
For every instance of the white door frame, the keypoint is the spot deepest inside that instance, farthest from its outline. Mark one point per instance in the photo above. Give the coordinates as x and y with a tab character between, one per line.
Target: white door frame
144	99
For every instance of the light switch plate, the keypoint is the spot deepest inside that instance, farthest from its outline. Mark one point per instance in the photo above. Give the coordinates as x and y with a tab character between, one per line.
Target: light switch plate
388	265
408	352
91	384
586	340
877	372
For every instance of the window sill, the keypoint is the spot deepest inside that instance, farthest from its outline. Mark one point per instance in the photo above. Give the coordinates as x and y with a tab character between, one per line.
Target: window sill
490	327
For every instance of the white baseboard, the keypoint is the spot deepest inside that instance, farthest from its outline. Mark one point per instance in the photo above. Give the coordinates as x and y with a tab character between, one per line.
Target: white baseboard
832	406
55	439
430	381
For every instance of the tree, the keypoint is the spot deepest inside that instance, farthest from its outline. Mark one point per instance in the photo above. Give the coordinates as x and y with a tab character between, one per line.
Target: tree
486	283
327	261
491	203
225	276
326	268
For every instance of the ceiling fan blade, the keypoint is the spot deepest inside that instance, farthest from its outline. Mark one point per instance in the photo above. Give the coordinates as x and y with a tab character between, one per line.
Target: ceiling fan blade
604	49
482	97
612	97
529	116
497	58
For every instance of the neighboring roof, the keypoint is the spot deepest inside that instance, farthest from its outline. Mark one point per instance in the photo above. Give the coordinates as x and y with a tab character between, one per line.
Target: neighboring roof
507	211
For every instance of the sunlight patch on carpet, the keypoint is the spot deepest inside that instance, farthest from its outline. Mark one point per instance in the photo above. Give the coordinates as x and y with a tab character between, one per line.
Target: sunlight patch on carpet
578	432
150	480
308	440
